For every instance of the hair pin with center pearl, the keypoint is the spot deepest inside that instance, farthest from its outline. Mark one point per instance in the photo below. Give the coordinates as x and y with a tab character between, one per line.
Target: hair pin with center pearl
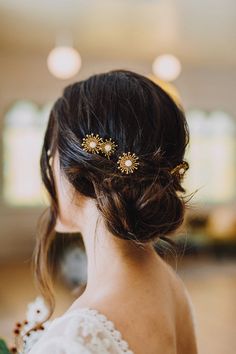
108	147
180	169
92	143
128	162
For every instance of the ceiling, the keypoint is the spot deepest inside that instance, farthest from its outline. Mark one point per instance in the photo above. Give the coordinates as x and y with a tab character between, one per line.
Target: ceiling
199	32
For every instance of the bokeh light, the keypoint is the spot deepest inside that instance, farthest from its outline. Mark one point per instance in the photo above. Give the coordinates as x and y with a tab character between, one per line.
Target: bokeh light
64	62
166	67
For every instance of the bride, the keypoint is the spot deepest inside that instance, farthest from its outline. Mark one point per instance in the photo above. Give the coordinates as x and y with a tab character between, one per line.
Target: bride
112	163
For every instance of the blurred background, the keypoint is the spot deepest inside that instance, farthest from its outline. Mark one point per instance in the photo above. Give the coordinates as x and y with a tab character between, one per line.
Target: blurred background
188	47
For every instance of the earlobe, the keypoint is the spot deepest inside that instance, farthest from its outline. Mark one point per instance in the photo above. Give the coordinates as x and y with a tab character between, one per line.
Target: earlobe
60	227
65	228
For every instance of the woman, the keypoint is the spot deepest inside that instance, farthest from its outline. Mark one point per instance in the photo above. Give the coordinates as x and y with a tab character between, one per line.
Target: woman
112	162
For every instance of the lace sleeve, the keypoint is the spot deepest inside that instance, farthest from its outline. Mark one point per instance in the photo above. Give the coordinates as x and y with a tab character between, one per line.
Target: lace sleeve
80	334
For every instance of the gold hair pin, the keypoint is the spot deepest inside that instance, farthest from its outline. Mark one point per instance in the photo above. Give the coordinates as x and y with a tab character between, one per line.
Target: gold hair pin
92	143
181	168
128	162
108	147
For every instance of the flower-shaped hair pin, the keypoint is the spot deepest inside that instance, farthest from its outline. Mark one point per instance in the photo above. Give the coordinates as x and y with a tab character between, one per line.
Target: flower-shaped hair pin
108	147
128	162
181	168
92	143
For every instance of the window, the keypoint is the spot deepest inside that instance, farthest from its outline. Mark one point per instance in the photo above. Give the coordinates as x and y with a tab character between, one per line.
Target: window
211	155
24	128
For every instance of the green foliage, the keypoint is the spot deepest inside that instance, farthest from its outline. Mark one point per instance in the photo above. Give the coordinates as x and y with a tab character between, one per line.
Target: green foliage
3	347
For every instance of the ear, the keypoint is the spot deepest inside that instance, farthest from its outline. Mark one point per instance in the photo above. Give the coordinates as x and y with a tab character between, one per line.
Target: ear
68	210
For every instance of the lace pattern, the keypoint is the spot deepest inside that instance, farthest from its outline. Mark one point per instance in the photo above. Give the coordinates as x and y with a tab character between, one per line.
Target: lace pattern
81	331
109	325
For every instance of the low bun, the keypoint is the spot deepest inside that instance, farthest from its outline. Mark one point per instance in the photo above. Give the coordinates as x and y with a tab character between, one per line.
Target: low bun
140	210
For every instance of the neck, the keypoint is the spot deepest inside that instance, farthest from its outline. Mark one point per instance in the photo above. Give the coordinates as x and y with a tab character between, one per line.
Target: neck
112	262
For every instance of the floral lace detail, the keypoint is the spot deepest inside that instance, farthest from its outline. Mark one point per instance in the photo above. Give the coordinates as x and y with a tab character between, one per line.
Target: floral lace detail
110	326
84	331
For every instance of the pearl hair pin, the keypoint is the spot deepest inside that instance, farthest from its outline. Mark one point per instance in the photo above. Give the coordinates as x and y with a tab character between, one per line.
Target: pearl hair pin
92	143
108	147
128	162
181	168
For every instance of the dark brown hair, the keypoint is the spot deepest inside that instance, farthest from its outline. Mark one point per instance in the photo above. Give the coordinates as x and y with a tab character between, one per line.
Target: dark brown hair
141	118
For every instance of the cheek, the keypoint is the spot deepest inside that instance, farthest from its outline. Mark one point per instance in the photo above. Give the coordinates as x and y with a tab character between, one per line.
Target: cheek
67	210
64	201
64	195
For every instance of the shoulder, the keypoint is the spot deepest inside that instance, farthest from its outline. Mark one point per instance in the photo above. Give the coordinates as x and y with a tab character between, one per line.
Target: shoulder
178	287
186	321
183	297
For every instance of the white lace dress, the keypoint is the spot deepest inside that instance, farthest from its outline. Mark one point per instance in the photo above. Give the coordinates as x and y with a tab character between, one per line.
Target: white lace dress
81	331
